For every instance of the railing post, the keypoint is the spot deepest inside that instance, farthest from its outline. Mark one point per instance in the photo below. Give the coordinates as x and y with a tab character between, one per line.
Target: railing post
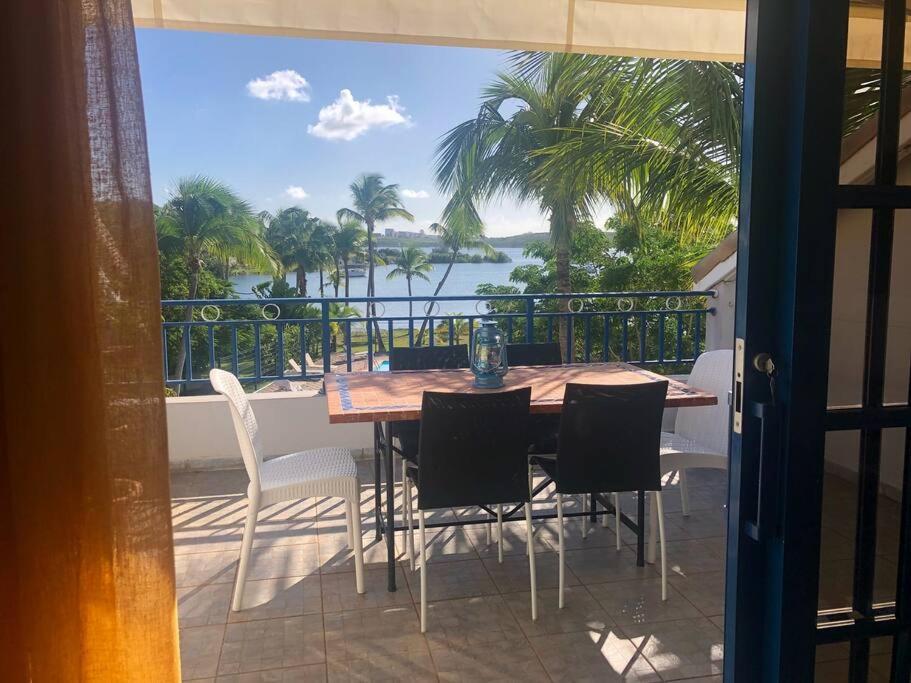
327	338
529	320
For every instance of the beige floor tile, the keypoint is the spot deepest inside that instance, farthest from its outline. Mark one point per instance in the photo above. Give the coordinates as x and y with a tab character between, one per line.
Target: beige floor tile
275	598
639	602
699	524
705	590
597	565
271	644
277	562
444	544
207	541
199	651
694	556
581	612
340	592
513	574
471	622
497	660
203	605
679	649
451	580
513	539
377	644
597	537
200	569
298	674
479	639
593	655
335	556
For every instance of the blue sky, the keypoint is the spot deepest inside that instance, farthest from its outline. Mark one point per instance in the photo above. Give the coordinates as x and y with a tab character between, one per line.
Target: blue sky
268	116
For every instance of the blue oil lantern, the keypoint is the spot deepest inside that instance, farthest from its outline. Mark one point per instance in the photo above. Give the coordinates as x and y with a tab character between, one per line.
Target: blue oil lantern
488	357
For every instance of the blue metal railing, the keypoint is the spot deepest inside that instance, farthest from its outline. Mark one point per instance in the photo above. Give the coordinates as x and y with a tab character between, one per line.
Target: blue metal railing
257	338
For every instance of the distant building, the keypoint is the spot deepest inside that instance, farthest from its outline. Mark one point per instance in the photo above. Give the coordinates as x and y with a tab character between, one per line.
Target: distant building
390	232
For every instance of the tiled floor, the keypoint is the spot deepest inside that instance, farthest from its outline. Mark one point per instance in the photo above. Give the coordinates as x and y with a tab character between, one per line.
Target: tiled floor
304	621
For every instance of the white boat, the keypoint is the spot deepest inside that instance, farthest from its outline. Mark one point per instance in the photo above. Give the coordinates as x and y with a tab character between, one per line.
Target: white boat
357	270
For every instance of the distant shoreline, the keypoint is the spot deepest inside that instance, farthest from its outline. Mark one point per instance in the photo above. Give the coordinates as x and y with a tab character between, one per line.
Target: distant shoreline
430	240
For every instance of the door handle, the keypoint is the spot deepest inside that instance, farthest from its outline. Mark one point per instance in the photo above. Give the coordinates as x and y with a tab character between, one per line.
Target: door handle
765	523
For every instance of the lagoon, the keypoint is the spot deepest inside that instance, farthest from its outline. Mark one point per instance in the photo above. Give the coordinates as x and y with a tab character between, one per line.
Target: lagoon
463	279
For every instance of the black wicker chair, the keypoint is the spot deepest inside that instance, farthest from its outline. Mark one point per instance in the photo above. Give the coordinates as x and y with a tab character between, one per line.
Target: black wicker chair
472	452
543	429
610	439
422	358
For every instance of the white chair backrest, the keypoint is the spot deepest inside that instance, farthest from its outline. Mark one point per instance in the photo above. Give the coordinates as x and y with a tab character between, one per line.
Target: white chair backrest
245	425
709	425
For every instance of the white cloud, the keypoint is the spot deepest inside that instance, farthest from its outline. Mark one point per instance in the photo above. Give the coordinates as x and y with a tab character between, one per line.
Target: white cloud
296	192
415	194
348	118
287	85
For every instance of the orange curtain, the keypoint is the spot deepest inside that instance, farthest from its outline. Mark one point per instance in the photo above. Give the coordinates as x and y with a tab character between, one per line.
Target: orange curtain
86	570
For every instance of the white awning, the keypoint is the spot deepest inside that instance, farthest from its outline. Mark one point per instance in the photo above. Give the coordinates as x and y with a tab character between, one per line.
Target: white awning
686	29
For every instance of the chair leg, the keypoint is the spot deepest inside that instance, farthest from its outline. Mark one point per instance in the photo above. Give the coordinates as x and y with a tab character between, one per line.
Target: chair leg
605	522
245	547
660	509
500	532
616	517
423	541
584	515
348	525
560	547
531	489
531	563
355	530
652	529
684	494
409	521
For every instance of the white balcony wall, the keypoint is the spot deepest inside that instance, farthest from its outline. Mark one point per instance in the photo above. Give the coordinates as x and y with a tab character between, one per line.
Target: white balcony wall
201	434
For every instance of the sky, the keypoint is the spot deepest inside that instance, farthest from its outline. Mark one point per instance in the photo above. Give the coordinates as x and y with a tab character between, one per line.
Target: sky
292	121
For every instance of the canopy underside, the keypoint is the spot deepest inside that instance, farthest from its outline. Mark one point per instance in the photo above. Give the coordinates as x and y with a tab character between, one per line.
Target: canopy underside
681	29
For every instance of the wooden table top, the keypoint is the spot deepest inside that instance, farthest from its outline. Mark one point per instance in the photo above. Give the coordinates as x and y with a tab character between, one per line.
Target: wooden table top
393	396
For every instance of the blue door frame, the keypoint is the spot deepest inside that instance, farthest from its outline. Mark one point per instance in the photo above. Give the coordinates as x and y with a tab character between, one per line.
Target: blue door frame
790	197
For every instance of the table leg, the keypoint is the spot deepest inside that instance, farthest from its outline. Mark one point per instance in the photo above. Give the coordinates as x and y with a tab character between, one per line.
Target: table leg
390	511
593	510
640	529
377	484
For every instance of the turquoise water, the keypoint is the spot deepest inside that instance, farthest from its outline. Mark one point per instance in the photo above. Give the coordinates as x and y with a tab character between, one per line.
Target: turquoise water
463	279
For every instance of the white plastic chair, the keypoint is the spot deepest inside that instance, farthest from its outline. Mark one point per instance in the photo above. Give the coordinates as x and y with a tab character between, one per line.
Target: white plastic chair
700	436
329	472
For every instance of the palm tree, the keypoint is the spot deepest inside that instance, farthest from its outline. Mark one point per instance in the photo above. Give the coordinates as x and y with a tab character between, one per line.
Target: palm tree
349	241
324	244
411	263
460	231
290	232
204	220
374	202
498	152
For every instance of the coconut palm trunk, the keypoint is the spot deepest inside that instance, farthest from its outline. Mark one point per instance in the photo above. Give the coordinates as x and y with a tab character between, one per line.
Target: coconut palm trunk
426	321
300	276
371	291
563	236
193	268
345	266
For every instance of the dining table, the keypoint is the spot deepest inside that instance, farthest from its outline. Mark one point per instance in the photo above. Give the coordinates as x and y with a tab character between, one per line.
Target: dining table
382	398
